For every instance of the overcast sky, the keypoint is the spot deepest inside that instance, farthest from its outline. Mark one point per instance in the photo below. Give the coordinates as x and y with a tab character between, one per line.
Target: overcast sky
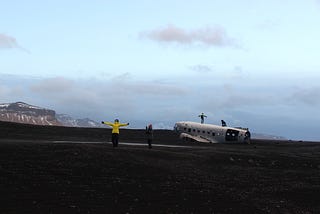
252	63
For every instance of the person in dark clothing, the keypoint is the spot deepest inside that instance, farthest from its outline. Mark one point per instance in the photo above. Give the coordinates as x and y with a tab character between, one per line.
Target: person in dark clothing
202	116
223	123
149	132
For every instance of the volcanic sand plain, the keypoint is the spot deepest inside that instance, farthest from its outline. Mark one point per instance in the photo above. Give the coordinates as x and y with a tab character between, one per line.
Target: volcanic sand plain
46	169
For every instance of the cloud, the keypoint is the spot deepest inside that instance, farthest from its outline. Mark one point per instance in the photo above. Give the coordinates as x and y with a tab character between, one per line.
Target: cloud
268	24
307	96
201	68
122	77
237	73
8	42
52	85
3	91
240	100
108	98
208	36
150	88
66	92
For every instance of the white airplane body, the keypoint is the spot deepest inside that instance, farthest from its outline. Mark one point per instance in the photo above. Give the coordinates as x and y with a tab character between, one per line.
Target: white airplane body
209	133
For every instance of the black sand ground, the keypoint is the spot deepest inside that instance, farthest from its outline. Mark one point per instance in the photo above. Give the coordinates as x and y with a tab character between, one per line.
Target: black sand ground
39	176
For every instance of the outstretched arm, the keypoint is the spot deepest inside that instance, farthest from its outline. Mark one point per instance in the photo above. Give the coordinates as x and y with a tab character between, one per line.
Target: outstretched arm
123	124
107	123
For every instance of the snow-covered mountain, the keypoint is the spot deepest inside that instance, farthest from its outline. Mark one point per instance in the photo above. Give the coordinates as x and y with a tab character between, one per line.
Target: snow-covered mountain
267	137
67	120
21	112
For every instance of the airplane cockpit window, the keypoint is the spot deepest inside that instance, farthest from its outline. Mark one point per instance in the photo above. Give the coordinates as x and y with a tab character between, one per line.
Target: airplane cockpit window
232	135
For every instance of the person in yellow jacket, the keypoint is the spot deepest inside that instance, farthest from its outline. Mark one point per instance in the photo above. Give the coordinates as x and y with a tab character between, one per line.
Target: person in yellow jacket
115	130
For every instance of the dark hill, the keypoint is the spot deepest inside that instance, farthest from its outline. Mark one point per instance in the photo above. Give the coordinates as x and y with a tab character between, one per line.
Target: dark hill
11	130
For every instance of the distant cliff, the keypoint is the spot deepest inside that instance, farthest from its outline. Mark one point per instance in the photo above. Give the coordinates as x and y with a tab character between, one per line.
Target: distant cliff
21	112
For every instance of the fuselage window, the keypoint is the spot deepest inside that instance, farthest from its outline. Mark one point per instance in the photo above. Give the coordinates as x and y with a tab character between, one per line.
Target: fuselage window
213	134
189	130
203	132
198	131
185	128
194	130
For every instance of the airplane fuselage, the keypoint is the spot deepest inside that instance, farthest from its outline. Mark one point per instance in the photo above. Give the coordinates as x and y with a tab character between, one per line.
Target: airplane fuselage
209	133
